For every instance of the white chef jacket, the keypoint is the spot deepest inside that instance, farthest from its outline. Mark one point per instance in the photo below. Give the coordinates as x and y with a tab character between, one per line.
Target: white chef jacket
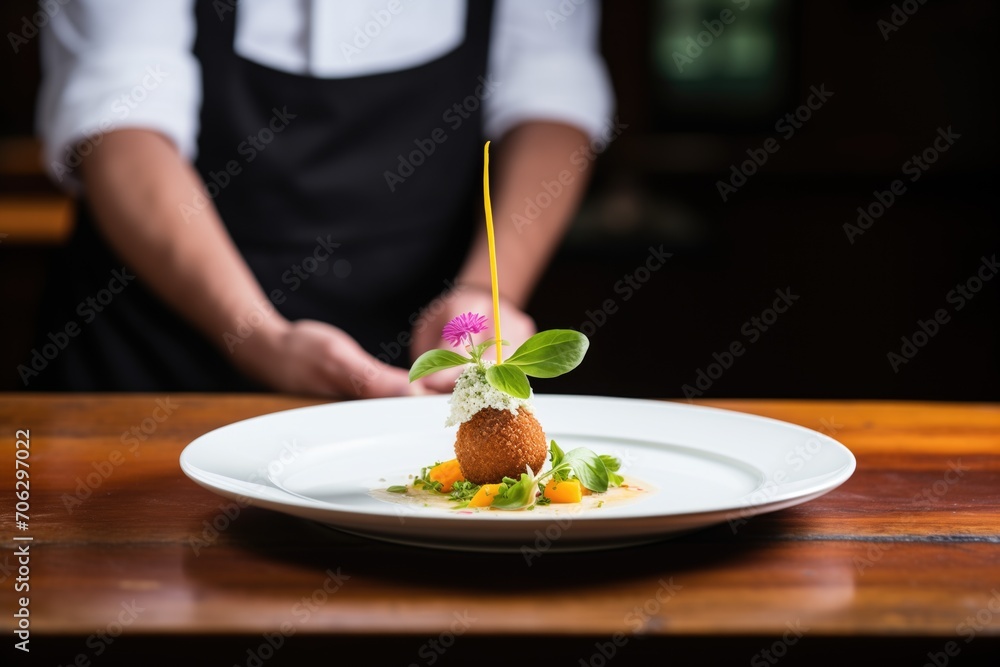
110	64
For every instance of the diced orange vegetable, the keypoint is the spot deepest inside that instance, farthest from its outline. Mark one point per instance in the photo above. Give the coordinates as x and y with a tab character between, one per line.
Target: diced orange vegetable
447	473
569	491
485	495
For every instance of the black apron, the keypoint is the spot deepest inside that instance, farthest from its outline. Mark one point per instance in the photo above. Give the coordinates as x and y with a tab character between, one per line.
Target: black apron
340	194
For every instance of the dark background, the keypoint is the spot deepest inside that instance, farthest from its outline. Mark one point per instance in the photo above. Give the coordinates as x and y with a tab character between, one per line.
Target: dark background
656	184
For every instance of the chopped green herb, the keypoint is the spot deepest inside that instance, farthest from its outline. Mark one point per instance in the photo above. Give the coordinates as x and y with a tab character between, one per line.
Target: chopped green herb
426	482
396	489
463	490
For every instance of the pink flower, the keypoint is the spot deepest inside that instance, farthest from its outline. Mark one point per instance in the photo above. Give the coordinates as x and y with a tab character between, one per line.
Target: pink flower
462	327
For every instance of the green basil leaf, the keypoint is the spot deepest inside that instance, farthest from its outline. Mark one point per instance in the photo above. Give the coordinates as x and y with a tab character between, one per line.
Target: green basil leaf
509	379
396	489
588	468
551	353
433	361
517	496
613	465
555	453
562	472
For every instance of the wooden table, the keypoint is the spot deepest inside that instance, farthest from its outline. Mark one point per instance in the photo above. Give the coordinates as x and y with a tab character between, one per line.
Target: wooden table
900	562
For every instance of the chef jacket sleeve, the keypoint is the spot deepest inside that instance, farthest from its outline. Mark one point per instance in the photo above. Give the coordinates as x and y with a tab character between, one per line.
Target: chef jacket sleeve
545	65
111	64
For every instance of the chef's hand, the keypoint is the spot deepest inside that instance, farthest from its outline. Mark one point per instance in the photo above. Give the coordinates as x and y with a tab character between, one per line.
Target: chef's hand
310	357
515	326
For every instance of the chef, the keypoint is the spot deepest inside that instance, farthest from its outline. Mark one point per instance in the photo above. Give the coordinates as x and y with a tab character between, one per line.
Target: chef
290	191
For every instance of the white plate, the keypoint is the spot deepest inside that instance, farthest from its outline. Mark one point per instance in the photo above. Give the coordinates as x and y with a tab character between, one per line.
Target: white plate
703	466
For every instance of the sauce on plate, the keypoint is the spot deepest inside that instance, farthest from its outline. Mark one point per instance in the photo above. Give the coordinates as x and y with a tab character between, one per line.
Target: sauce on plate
630	491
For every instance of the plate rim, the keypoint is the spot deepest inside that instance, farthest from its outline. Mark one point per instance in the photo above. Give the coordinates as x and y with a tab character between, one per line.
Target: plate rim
283	499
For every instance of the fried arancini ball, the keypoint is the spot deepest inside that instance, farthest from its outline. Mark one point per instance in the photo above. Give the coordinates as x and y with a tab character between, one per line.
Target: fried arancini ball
495	444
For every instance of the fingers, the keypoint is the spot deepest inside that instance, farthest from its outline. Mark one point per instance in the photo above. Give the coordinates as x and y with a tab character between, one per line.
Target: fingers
363	376
345	369
520	329
384	381
443	382
419	388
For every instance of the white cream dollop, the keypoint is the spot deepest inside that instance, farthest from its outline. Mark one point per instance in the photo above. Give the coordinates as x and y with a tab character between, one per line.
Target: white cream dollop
473	393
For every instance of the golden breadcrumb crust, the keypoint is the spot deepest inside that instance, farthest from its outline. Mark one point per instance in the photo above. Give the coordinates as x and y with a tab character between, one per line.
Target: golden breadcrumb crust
495	444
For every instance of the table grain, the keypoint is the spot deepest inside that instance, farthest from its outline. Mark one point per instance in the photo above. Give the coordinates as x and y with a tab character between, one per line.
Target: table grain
904	556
